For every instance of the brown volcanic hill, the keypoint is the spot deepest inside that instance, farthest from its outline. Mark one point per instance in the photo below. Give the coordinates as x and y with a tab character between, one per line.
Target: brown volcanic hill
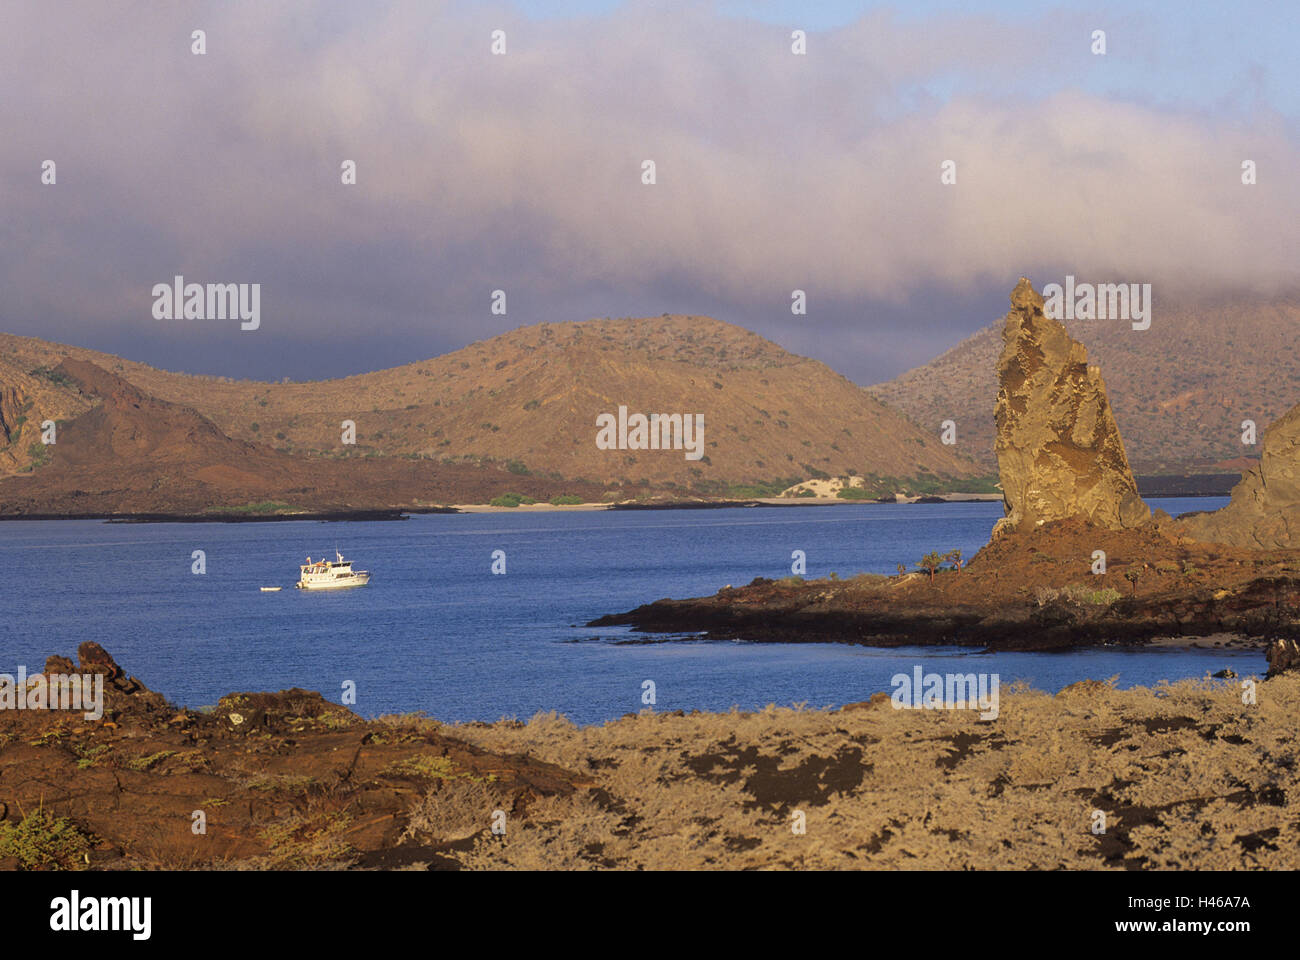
532	396
1179	390
132	453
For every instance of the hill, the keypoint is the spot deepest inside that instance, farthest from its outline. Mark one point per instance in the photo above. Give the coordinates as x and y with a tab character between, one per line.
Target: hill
528	401
1179	390
131	453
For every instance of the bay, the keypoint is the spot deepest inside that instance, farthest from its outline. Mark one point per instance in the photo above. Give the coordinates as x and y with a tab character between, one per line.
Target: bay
437	631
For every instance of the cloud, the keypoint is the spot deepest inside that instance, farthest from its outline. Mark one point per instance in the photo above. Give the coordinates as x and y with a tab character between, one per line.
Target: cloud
522	172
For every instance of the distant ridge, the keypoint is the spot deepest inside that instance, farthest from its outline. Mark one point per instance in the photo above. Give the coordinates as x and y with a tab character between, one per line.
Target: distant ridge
131	454
1179	390
530	398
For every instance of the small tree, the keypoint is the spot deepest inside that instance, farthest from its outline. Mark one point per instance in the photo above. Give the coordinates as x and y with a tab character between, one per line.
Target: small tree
931	562
901	569
954	557
1132	575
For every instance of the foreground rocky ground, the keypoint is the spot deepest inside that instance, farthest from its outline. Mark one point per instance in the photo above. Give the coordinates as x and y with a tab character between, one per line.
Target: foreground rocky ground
1186	776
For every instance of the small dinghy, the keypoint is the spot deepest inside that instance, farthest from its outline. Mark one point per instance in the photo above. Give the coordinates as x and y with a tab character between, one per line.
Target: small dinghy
271	589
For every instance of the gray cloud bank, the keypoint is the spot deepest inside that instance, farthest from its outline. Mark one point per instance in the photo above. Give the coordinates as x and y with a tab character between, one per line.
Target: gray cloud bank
522	172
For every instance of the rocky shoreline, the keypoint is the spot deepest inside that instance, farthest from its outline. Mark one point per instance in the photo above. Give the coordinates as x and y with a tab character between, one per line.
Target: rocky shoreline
333	516
1029	591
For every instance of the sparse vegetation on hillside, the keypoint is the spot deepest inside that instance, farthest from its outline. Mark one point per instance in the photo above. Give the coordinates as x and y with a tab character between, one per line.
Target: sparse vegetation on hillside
39	453
54	377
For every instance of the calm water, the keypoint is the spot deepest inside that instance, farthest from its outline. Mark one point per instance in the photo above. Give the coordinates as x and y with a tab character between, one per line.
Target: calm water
436	631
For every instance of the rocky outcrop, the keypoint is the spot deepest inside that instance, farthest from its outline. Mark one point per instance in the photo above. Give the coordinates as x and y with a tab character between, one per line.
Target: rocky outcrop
1264	510
1058	448
272	773
28	398
12	407
1283	655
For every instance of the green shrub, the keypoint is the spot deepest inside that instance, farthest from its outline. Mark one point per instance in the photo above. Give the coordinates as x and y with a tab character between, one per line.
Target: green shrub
510	500
40	841
565	500
1079	593
751	490
264	506
855	493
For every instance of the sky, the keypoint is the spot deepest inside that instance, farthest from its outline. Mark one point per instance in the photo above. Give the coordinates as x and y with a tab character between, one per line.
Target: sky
523	172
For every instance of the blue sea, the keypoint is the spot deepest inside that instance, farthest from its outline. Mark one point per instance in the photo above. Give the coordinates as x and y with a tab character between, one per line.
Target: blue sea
437	631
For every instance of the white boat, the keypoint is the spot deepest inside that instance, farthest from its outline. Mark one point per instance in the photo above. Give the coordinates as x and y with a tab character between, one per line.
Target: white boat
270	589
330	574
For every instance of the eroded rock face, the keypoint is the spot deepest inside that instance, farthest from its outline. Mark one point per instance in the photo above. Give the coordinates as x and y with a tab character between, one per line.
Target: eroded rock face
12	401
1059	450
1283	655
1265	508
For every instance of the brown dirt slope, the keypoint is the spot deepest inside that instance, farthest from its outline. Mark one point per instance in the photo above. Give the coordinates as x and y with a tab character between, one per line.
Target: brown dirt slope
533	395
1180	390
